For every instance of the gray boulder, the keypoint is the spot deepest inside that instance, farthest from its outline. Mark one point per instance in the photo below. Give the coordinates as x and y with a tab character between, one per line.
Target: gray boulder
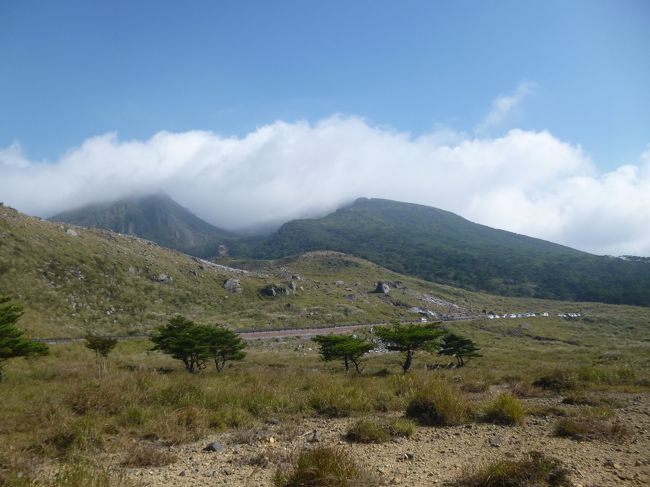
164	278
214	447
233	285
382	288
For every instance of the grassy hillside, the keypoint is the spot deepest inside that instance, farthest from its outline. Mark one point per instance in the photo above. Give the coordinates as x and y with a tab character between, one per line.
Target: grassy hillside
439	246
155	217
60	416
73	279
67	424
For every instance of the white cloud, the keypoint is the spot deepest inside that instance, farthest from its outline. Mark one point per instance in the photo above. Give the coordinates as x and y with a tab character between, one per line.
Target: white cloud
527	182
503	106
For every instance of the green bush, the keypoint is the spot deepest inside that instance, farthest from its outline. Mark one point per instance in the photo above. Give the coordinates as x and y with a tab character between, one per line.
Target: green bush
401	427
505	409
439	405
535	469
338	401
324	467
368	431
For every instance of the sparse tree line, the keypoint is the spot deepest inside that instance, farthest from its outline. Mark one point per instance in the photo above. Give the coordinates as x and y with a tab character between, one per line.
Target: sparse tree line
197	345
399	338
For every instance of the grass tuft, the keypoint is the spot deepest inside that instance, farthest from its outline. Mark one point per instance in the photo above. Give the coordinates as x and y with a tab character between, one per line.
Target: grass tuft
368	431
401	427
439	404
558	380
324	467
535	469
590	428
505	409
148	456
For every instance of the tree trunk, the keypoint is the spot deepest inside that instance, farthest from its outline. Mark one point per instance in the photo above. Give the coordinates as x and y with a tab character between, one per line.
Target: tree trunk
347	363
408	361
356	366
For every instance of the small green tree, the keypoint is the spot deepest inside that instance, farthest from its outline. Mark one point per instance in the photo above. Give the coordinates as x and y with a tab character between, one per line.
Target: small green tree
184	340
12	342
460	347
223	345
343	347
409	339
102	346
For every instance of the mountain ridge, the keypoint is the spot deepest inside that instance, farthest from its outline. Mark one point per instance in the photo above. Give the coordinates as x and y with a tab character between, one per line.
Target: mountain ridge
155	217
408	238
441	246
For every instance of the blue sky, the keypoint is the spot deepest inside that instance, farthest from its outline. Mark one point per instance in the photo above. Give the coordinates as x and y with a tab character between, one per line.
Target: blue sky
75	69
530	116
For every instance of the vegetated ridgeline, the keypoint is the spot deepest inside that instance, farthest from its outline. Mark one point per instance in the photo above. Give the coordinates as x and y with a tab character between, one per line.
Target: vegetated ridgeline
443	247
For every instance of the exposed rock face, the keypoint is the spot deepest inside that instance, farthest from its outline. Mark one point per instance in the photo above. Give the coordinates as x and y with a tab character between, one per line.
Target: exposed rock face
273	290
269	291
233	285
164	278
382	288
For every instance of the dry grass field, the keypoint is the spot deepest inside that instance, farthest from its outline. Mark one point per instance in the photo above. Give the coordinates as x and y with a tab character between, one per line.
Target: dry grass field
572	389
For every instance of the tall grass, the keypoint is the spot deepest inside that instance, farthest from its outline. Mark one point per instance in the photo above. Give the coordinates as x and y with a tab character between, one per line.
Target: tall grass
324	467
505	409
438	403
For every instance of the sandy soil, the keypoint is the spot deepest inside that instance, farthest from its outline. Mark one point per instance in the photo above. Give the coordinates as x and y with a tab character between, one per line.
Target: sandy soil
437	455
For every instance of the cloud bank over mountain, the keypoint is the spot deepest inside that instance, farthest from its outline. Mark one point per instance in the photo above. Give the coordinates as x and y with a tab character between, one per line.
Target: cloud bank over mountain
523	181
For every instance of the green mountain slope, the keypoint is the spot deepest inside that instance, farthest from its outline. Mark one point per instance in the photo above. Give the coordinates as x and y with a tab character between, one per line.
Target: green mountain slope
440	246
73	280
155	217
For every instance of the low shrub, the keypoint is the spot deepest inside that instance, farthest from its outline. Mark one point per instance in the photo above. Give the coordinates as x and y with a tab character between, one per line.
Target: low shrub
80	435
324	467
133	416
549	411
558	380
439	405
590	400
368	431
401	427
535	469
475	386
148	456
333	402
590	428
505	409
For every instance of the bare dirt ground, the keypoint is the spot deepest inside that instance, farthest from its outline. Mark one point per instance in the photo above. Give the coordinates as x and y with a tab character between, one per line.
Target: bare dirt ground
433	456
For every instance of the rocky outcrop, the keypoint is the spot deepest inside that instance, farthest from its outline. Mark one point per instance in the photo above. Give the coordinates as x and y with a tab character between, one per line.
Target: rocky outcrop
382	287
273	290
163	278
233	285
